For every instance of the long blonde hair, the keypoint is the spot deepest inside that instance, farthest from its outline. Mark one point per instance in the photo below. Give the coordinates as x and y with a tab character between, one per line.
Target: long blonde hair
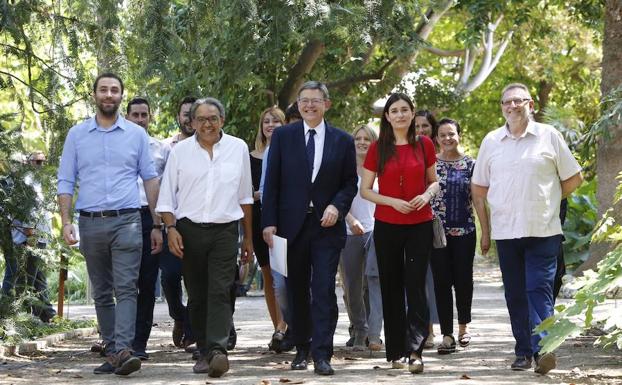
368	130
260	140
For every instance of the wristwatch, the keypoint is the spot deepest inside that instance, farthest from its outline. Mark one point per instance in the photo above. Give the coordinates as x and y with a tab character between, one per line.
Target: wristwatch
158	227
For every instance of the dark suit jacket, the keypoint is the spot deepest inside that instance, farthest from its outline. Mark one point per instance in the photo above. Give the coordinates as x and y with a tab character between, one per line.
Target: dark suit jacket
288	189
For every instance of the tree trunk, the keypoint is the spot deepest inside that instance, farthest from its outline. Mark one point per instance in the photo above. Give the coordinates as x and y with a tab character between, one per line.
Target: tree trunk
609	152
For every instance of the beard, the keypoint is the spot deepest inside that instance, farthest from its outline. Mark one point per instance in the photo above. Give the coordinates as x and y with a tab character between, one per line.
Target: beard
187	130
108	110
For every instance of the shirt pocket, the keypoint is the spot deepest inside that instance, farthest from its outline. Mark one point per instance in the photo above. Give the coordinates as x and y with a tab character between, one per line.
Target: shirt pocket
230	174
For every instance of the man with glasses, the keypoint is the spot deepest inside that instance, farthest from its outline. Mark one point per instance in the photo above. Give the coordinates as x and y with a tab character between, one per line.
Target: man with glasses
523	170
206	190
31	264
310	184
103	156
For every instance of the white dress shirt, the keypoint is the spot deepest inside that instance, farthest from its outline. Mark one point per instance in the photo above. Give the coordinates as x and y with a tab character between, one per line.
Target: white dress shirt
523	177
204	189
320	134
159	153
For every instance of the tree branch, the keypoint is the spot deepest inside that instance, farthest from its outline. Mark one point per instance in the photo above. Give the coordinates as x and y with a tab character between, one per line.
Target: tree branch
376	75
444	52
309	55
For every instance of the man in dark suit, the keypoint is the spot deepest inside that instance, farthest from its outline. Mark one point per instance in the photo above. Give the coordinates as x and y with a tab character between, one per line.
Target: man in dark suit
310	183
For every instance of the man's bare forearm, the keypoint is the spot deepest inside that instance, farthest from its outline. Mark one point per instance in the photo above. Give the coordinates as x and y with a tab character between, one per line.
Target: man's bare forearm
247	220
64	204
152	189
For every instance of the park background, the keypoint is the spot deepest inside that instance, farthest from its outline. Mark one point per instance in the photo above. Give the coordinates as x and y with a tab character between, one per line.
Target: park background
452	57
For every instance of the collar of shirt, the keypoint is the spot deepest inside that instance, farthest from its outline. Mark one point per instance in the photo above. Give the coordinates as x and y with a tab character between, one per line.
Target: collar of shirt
119	123
531	129
319	130
215	146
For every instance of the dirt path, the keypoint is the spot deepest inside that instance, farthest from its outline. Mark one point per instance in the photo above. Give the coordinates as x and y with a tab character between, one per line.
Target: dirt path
485	361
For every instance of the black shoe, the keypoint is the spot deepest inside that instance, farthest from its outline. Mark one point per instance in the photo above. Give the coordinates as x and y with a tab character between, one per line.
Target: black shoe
521	363
178	333
233	339
350	342
141	354
300	361
323	368
277	340
105	368
196	355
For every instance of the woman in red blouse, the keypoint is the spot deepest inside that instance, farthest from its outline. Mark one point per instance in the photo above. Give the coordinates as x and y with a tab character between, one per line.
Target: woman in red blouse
405	165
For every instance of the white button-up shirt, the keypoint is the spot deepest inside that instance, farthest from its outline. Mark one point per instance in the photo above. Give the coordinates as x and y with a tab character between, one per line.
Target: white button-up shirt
159	153
523	178
320	134
204	189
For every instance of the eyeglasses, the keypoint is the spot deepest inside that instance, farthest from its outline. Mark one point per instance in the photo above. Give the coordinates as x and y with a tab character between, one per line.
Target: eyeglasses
212	119
307	101
516	101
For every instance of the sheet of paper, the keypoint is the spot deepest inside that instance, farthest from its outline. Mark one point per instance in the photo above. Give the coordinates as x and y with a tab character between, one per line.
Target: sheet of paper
278	255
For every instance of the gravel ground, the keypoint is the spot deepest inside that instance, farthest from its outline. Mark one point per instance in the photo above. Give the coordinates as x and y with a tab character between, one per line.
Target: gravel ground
485	361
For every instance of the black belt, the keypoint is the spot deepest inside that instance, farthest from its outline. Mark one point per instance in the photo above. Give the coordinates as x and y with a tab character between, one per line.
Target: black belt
144	208
106	213
204	225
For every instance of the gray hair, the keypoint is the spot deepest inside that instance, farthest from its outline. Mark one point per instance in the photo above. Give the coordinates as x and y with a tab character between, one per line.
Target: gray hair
211	101
512	86
315	85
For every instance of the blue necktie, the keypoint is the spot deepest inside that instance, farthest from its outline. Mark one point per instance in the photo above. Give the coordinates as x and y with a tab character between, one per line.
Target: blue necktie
311	151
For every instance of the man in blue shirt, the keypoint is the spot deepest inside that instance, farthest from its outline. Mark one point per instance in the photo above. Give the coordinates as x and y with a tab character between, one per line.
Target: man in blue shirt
105	155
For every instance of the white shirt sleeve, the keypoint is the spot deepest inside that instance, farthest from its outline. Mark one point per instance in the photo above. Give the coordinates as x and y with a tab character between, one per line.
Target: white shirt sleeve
567	165
481	171
167	200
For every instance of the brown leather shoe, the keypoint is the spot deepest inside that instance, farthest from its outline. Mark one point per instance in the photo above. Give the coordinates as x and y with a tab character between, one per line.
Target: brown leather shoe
201	366
125	363
218	365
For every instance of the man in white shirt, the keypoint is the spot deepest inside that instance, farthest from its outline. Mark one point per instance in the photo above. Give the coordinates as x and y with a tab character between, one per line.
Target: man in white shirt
139	112
523	170
206	190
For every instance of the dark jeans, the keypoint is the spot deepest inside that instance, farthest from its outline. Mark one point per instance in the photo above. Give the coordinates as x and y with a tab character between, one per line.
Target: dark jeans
528	268
147	278
403	253
170	280
34	277
209	264
452	266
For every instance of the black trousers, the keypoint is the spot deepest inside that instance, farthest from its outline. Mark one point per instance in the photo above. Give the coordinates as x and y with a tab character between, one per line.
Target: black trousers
452	266
403	253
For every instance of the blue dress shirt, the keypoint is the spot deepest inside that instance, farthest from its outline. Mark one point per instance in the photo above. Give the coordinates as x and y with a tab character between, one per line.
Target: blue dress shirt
106	164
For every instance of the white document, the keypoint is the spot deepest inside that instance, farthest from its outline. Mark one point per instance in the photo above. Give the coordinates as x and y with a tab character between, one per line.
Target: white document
278	255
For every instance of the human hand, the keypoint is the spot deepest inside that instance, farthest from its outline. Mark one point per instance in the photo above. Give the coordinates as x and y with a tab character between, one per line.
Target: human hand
156	241
175	242
331	214
420	201
356	227
247	250
402	206
69	234
268	232
484	243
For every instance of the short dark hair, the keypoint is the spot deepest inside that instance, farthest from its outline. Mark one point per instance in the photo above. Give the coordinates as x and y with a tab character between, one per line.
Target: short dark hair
108	75
292	113
451	122
138	101
186	100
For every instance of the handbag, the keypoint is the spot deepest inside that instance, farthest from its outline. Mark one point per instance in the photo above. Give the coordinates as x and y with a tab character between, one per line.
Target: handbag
439	240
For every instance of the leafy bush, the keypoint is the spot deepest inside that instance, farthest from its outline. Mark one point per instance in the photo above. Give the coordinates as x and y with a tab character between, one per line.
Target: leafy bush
24	327
593	289
580	224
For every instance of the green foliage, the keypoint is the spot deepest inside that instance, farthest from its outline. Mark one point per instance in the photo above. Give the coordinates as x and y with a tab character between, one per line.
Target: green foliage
593	289
25	327
580	223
